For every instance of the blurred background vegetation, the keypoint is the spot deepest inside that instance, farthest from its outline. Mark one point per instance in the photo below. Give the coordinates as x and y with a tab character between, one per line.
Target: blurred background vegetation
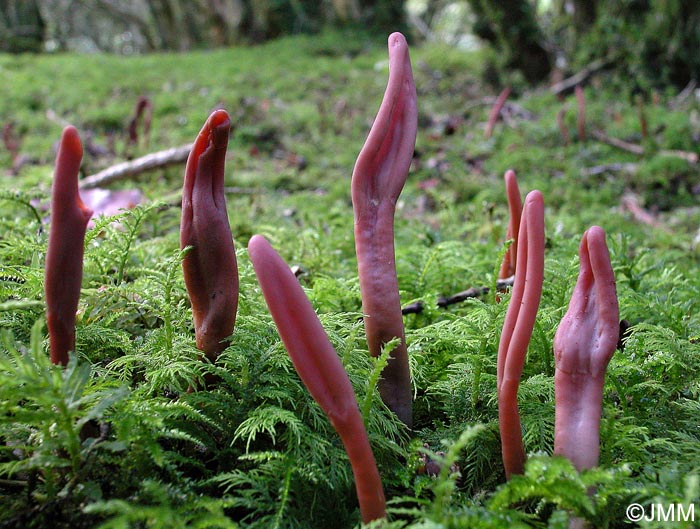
654	42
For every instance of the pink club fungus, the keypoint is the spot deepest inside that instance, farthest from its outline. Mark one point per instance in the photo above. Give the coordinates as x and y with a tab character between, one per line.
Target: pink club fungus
378	178
496	112
583	346
64	255
517	330
210	268
515	210
319	368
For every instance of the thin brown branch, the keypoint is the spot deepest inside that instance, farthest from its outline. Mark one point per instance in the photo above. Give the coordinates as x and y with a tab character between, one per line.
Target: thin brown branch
445	301
690	157
630	202
132	168
685	93
620	144
610	168
581	77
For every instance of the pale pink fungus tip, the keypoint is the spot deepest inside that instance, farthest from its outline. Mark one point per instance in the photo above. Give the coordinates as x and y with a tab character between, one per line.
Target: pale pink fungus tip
515	209
588	334
383	163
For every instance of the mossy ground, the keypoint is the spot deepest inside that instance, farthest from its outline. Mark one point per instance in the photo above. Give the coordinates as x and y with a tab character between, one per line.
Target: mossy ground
117	439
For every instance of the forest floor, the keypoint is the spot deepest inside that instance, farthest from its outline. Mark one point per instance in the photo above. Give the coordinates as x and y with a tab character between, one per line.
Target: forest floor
254	451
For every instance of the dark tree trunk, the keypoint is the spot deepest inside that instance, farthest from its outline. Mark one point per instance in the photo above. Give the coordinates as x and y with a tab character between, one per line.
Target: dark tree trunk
585	12
385	15
21	26
511	27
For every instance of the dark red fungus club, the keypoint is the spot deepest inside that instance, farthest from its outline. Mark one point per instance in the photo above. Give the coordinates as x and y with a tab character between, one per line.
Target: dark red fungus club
64	255
378	178
583	346
517	330
319	368
210	268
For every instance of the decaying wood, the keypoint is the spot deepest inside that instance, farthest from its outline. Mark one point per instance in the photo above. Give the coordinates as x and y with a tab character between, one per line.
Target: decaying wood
149	162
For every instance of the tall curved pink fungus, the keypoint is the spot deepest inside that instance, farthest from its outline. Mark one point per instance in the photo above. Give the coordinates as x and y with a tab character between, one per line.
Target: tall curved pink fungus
319	368
517	330
515	210
64	255
583	346
210	268
377	180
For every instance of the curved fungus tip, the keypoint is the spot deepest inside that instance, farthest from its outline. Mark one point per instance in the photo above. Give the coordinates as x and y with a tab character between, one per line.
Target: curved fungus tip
70	139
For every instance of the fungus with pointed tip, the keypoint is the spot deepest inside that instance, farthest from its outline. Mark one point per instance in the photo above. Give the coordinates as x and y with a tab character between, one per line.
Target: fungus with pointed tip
210	268
319	368
515	211
583	346
378	178
64	255
517	330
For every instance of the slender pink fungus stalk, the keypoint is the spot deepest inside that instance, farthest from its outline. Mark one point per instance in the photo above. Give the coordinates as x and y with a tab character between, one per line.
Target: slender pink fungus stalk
562	126
496	112
319	368
517	330
379	175
583	346
581	120
64	255
210	268
515	210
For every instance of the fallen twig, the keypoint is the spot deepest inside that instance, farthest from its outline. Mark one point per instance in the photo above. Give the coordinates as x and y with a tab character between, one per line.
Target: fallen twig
581	77
690	157
620	144
685	93
154	160
445	301
630	202
609	167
